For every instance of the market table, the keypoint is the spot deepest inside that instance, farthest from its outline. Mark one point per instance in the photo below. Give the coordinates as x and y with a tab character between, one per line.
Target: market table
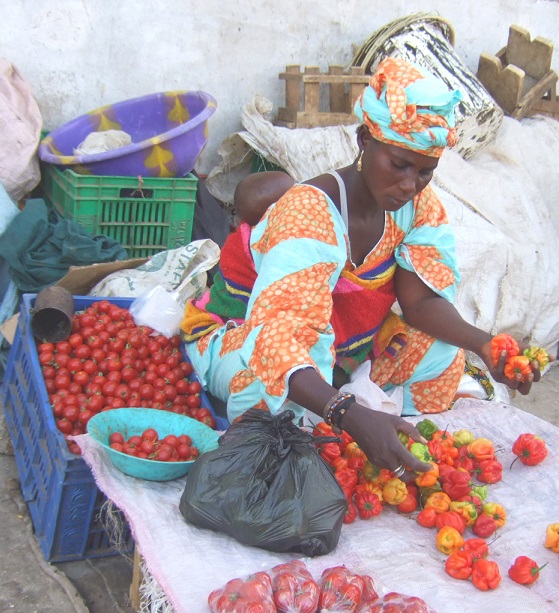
400	555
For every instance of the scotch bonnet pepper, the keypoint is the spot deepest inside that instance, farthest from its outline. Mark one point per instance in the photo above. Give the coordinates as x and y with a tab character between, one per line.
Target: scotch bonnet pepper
525	570
485	574
552	537
530	449
449	540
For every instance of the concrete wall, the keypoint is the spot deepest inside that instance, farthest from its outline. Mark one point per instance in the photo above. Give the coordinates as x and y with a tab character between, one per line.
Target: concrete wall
81	54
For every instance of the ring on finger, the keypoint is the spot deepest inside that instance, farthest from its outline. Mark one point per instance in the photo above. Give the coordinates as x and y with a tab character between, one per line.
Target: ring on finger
399	470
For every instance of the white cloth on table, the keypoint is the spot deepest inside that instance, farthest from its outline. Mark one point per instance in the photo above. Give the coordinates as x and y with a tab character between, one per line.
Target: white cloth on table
394	549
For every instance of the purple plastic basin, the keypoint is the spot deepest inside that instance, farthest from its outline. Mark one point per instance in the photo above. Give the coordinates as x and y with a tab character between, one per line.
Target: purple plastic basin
168	132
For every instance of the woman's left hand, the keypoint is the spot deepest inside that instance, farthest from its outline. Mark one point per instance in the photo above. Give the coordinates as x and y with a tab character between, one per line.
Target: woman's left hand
518	383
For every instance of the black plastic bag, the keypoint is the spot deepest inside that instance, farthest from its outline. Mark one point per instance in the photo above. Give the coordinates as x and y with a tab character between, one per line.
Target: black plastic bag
266	486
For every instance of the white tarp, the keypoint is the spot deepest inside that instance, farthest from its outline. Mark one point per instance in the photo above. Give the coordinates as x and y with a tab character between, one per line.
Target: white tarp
501	203
189	562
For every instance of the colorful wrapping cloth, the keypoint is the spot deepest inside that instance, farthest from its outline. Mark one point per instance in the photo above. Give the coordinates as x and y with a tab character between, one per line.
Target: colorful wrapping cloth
404	105
288	297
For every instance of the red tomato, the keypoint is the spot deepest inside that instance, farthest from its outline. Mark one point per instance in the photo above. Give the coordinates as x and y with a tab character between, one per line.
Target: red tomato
83	352
64	426
81	378
63	347
116	437
43	347
75	340
194	387
186	368
150	434
193	401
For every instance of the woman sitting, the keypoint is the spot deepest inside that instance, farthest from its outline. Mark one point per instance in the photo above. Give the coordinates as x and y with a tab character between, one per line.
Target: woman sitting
307	292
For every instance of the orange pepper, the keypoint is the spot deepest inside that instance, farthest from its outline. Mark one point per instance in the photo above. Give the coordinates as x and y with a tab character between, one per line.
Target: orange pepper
518	364
394	491
449	540
495	511
438	501
481	449
444	437
429	478
552	537
353	450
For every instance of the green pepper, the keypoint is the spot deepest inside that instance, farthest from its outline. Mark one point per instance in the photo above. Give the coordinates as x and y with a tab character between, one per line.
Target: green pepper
421	452
479	490
539	354
426	428
404	438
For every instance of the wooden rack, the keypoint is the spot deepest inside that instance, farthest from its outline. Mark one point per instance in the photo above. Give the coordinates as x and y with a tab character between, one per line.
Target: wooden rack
303	96
519	77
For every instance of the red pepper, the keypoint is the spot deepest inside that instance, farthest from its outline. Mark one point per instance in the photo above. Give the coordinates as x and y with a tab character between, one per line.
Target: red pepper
427	517
503	342
525	570
329	452
530	448
489	471
450	518
346	477
457	484
485	574
351	513
459	564
368	504
409	504
478	547
356	463
518	364
464	460
484	526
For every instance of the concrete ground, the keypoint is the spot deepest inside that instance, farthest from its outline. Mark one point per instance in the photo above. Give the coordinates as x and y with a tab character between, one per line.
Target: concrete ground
28	584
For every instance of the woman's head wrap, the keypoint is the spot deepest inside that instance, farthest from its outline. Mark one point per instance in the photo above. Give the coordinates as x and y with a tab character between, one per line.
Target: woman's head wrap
406	106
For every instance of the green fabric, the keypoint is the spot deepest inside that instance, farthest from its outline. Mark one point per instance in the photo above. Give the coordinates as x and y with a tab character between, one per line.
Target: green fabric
40	246
222	301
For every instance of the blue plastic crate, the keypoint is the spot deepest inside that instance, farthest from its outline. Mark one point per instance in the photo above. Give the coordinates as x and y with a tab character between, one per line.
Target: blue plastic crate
58	486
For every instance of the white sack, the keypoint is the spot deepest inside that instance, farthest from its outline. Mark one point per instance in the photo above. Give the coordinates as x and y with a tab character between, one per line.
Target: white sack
20	133
183	269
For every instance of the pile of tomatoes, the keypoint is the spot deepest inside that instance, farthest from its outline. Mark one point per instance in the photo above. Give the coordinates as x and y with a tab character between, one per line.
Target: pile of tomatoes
148	445
109	362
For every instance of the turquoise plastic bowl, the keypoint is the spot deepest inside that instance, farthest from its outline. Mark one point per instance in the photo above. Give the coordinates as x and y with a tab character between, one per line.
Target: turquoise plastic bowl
133	421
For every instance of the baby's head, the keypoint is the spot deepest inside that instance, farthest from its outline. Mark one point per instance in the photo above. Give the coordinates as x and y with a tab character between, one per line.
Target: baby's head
256	192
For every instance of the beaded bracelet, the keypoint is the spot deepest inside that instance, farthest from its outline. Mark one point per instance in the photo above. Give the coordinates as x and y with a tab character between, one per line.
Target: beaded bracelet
336	408
340	411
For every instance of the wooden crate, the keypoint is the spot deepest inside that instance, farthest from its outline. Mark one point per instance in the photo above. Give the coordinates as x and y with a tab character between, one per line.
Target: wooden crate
303	96
519	76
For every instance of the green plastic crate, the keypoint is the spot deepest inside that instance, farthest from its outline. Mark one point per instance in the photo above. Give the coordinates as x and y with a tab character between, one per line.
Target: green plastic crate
145	216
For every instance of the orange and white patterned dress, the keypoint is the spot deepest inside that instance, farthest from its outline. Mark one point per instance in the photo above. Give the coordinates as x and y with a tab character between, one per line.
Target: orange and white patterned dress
287	296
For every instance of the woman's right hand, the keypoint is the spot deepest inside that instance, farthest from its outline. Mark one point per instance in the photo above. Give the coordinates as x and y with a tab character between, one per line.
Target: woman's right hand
377	434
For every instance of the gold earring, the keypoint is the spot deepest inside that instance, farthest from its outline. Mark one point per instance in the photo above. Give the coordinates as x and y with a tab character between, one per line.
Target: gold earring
360	161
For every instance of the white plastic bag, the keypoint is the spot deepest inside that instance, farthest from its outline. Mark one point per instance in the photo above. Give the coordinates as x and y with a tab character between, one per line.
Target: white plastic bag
159	310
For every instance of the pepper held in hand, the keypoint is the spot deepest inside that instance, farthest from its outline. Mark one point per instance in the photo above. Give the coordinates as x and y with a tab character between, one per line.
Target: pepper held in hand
503	342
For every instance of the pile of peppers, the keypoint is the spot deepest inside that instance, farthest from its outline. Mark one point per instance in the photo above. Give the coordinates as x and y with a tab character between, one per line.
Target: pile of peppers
451	497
